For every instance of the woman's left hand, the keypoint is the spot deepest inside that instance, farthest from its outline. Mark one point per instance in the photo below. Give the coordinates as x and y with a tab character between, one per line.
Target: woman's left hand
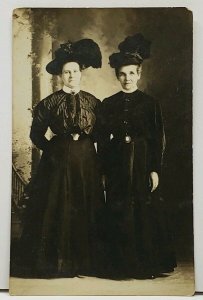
154	181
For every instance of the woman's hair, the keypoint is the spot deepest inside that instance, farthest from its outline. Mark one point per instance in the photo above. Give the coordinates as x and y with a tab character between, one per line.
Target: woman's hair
117	70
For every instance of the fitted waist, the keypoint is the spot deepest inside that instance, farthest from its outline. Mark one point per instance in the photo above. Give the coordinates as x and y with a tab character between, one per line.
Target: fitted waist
73	136
125	138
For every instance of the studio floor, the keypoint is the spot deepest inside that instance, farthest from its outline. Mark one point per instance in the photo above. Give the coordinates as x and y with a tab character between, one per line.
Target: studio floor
180	282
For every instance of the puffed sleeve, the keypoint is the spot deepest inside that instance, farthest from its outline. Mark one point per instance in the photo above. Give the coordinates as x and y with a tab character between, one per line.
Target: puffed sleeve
40	125
157	141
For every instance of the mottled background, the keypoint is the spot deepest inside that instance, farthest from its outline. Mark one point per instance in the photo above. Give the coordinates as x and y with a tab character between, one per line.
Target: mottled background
166	76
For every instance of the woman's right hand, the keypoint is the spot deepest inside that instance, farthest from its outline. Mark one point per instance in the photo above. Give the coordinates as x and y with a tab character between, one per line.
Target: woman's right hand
153	181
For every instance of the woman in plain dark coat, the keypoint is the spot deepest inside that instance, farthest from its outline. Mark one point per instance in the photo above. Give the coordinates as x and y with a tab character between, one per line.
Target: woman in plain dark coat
139	241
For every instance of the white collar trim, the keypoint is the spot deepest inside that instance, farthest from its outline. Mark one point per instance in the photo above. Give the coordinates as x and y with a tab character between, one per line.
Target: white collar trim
68	90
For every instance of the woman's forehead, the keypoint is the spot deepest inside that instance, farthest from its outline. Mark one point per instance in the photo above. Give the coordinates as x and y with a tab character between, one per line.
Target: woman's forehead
128	68
72	65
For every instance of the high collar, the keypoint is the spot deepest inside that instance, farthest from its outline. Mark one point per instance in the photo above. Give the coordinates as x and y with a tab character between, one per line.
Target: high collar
129	92
132	94
68	90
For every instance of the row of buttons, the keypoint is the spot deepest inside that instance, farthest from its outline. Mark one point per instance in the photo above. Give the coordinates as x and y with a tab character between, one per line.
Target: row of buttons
127	137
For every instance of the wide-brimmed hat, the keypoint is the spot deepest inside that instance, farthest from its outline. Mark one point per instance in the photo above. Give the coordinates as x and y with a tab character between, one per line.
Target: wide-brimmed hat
85	52
133	50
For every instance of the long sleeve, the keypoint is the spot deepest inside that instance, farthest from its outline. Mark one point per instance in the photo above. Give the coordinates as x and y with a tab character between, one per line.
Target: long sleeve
104	137
39	126
157	141
97	128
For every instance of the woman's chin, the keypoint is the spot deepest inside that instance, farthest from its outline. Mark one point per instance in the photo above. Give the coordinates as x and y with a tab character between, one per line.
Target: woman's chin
73	86
129	88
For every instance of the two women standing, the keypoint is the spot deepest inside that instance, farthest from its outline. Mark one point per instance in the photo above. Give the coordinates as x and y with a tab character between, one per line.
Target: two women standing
66	211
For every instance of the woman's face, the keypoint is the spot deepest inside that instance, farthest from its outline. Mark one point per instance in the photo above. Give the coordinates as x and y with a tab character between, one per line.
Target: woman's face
129	76
71	74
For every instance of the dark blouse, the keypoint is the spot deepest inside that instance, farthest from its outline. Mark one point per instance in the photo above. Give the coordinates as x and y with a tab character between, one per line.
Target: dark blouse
138	116
64	114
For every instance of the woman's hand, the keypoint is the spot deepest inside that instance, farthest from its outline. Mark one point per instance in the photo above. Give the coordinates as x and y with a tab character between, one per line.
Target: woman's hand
153	181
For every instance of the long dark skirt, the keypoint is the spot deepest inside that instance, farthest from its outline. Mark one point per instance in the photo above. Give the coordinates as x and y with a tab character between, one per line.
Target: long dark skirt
61	235
139	237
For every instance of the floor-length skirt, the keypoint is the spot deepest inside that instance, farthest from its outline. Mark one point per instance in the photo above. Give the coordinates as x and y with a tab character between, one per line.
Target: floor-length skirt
61	235
139	237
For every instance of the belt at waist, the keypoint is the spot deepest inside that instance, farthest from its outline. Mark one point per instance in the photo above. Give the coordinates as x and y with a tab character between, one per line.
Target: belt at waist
125	138
74	136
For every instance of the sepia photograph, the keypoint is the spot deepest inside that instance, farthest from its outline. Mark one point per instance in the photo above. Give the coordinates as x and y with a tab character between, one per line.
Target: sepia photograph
102	189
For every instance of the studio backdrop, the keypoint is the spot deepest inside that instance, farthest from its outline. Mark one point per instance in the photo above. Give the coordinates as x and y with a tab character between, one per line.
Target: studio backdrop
166	76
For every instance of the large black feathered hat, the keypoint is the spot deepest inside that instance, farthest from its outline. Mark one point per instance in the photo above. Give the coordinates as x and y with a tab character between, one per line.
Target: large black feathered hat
85	52
133	50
